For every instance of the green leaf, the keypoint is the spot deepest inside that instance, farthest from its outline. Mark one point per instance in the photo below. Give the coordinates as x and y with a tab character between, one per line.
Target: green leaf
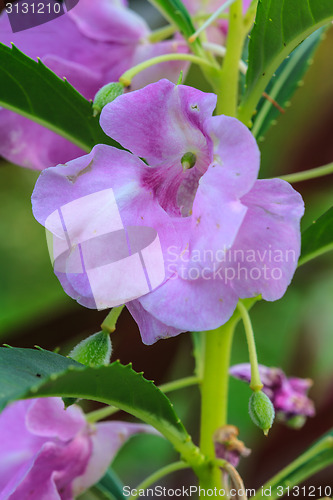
280	26
111	485
31	89
318	238
28	373
176	13
317	458
283	85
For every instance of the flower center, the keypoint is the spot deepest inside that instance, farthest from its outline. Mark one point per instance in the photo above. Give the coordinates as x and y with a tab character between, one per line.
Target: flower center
188	160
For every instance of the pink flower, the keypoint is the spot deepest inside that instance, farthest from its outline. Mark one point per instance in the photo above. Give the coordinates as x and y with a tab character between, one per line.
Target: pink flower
91	45
48	453
289	395
224	234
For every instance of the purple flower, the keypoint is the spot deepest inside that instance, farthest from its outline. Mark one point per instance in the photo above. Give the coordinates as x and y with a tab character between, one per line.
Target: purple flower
224	234
51	453
91	45
228	446
289	395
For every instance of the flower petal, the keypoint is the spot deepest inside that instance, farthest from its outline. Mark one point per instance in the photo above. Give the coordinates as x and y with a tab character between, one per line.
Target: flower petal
236	154
107	440
159	122
191	305
266	250
51	472
21	141
96	178
108	21
151	329
47	417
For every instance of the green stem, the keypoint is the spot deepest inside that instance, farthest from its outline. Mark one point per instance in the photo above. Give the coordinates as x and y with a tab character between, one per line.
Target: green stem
97	415
256	384
179	384
214	391
313	173
110	322
162	33
127	77
299	469
156	476
229	76
210	20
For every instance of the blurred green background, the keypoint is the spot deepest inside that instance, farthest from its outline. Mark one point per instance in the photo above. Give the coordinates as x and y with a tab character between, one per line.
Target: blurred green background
295	333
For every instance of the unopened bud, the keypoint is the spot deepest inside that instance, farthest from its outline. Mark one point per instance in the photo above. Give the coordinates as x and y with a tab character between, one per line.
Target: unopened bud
93	351
261	411
107	94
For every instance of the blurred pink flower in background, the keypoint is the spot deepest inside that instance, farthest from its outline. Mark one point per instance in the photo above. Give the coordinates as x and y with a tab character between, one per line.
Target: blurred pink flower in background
49	453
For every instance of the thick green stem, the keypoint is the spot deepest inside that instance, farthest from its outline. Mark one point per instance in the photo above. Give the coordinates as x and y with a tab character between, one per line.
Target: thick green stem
214	391
229	77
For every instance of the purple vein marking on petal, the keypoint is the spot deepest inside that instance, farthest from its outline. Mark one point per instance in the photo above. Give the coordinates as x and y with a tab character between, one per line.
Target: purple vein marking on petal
63	223
145	271
127	240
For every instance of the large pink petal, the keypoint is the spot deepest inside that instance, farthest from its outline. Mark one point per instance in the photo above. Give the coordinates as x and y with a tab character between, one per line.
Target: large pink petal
194	304
266	250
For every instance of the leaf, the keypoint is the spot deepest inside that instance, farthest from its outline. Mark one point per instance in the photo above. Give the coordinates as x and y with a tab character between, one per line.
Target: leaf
318	238
280	26
176	13
111	485
283	85
317	458
28	373
31	89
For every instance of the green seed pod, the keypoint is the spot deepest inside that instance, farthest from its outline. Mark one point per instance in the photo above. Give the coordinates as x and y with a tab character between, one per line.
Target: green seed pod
261	411
93	351
107	94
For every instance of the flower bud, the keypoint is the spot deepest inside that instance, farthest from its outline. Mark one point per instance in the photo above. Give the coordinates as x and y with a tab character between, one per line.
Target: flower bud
107	94
261	411
93	351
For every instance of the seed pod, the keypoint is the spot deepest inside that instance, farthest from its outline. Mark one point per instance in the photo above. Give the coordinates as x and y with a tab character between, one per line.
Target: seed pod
107	94
261	411
93	351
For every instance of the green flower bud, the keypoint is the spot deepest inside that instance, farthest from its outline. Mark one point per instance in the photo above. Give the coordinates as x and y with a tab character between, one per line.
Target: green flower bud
107	94
261	411
93	351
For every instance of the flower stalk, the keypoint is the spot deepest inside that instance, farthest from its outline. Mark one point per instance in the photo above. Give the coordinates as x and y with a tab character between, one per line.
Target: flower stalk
256	384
